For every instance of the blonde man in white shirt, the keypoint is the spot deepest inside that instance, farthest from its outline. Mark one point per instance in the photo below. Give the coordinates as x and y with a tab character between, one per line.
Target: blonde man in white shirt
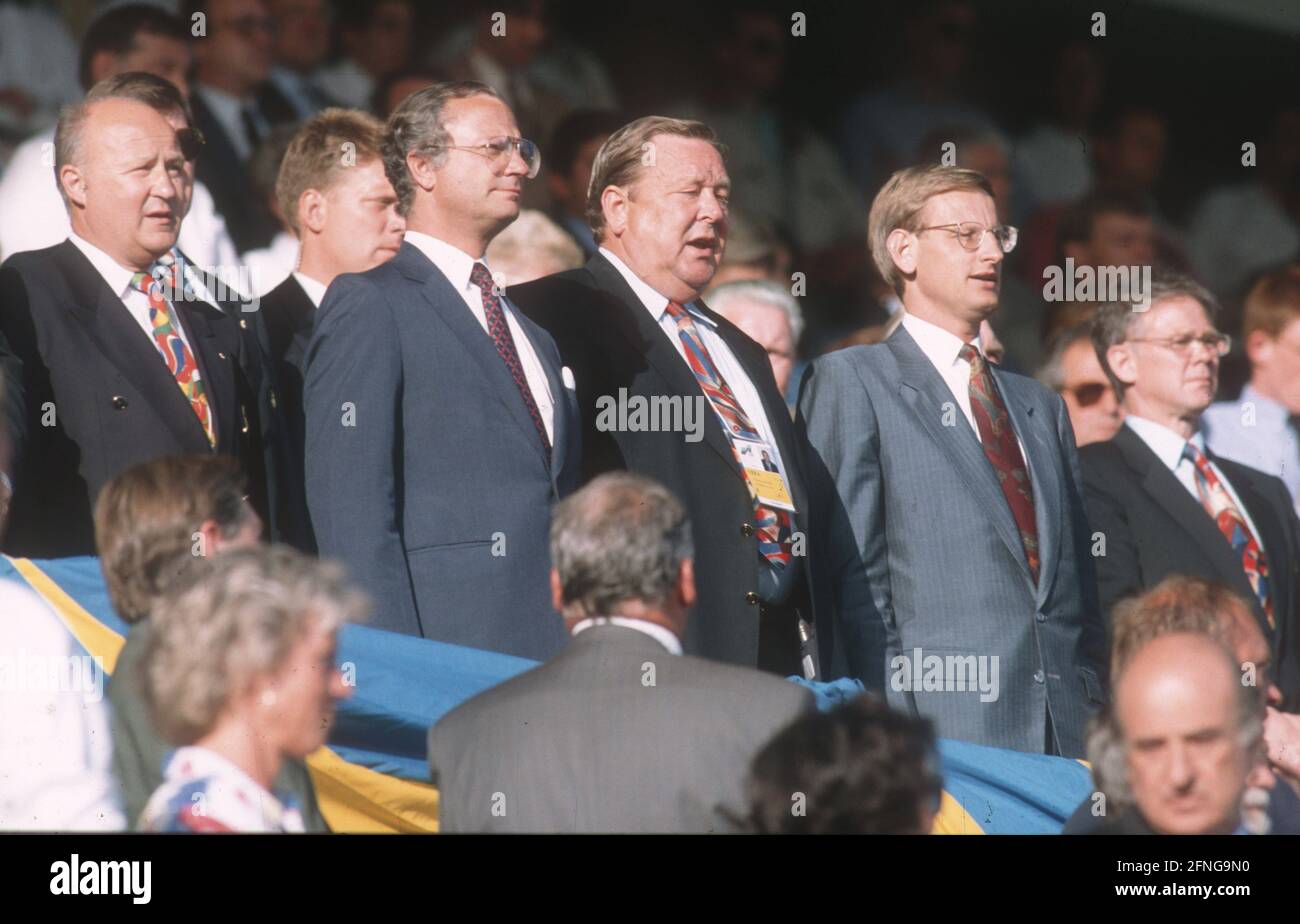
951	501
1161	500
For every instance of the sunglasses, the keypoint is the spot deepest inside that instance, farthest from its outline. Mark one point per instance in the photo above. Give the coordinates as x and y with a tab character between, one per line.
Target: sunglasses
1089	393
191	142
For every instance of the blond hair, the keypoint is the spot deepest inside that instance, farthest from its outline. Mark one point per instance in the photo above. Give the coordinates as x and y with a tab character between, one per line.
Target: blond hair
327	143
899	204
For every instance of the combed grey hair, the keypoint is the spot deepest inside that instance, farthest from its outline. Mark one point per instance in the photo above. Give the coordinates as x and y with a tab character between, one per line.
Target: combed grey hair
1051	373
763	291
417	126
622	537
229	620
1113	322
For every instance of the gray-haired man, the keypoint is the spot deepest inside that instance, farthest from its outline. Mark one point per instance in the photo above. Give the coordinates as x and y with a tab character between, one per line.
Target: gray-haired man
620	732
439	428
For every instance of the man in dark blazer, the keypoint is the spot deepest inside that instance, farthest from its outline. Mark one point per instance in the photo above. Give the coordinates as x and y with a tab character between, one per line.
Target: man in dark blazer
633	328
440	426
1159	502
345	218
620	732
957	560
109	359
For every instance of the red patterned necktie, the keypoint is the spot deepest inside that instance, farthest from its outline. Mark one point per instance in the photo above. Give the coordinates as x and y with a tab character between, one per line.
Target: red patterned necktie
773	524
1218	504
499	331
1003	452
180	361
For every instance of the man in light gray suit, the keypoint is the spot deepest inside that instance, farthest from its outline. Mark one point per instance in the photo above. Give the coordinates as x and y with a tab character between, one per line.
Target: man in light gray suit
621	732
958	553
440	425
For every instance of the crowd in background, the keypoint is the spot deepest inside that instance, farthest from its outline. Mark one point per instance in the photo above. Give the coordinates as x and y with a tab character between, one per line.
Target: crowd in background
227	681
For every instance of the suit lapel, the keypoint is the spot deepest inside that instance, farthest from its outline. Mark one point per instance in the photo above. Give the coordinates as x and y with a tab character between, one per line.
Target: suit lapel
448	305
1044	473
649	340
559	396
128	348
924	391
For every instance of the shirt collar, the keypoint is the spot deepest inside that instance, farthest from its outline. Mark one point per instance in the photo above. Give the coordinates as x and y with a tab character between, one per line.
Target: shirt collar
315	291
451	261
654	303
117	277
658	633
941	347
1165	443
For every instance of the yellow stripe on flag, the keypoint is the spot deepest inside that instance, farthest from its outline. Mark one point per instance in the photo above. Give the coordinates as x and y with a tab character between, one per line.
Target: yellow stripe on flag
953	819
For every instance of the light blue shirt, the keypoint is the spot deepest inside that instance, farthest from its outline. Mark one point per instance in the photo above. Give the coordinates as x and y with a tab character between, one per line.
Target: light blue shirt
1256	431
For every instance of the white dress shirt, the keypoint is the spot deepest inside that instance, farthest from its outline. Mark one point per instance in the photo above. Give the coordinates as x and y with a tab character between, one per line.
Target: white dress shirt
1168	447
658	633
457	265
942	347
33	216
272	265
315	290
728	366
229	113
55	744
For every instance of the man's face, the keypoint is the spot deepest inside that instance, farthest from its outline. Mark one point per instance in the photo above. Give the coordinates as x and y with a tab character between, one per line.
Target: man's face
302	33
308	687
238	45
1117	240
523	38
159	55
470	185
362	228
958	282
1168	382
1186	764
1275	362
769	327
1094	411
131	185
570	189
384	45
991	161
675	217
1134	158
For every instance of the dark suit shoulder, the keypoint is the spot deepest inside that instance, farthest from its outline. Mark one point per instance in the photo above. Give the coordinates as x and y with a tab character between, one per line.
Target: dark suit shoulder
1105	456
1262	482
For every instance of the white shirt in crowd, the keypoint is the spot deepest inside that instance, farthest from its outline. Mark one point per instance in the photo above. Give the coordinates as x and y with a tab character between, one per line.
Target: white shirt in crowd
315	290
55	747
270	266
33	216
658	633
457	265
727	365
1168	447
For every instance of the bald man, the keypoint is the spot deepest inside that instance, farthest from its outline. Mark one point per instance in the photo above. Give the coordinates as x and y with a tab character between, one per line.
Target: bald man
1190	734
109	358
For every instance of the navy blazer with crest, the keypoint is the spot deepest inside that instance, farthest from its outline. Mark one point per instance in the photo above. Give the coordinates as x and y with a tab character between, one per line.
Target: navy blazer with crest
88	395
425	473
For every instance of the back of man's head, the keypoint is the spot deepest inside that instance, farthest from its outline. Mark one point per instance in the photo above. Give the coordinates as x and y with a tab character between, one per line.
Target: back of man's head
862	768
149	524
620	546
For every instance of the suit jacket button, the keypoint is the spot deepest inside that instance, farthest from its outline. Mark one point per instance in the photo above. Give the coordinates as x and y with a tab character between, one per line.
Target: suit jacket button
220	355
746	530
751	598
272	393
119	402
1039	677
1041	617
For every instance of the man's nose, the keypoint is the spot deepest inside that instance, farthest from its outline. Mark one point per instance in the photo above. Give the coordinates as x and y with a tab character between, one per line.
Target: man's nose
1179	771
711	207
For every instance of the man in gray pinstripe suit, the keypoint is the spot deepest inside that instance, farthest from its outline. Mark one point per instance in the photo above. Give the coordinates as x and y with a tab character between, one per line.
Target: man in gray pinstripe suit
957	554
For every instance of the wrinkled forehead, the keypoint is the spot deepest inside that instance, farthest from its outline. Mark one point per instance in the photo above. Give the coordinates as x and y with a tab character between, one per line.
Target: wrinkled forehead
121	141
674	159
958	205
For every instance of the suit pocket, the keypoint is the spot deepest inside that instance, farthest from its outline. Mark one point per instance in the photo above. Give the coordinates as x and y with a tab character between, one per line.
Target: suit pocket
448	546
1092	686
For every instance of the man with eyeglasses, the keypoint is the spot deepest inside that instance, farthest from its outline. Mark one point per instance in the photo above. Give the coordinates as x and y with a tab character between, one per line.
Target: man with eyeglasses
1159	501
1073	372
948	493
440	425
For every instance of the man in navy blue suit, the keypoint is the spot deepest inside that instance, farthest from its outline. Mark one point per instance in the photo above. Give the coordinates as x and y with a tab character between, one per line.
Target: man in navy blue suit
440	425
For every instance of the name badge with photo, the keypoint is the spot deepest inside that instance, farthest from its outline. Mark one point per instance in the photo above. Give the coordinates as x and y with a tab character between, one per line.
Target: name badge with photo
765	478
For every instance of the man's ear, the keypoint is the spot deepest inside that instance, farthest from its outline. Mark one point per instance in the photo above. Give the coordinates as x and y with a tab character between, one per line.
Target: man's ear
422	171
313	210
1259	347
557	591
902	250
1122	362
686	583
74	184
613	204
